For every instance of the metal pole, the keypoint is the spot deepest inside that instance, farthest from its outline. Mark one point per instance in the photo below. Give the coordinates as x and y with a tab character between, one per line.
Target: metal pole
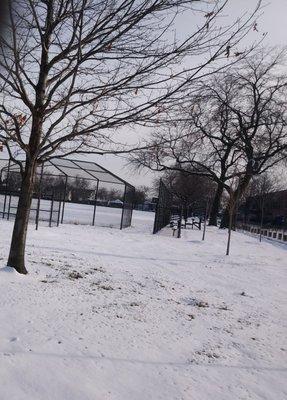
231	215
64	200
205	218
132	207
179	224
95	204
157	209
51	210
185	215
59	212
9	206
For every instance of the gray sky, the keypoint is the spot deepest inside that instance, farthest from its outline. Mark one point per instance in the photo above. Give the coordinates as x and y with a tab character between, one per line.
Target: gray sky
272	21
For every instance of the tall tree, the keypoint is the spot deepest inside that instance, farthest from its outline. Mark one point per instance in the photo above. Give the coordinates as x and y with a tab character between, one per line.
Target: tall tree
73	70
213	121
201	146
234	126
260	117
188	189
141	194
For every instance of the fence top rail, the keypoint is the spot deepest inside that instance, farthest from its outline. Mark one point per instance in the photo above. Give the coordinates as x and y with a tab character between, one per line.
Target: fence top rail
70	168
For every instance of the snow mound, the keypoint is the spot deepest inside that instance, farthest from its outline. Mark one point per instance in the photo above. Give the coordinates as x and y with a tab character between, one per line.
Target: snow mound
9	272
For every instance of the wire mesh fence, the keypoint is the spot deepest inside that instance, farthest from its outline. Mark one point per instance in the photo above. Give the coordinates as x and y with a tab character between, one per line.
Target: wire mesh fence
163	208
46	210
128	205
69	191
179	213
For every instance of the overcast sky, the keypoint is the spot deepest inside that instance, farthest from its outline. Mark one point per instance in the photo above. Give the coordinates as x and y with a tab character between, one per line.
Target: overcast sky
272	21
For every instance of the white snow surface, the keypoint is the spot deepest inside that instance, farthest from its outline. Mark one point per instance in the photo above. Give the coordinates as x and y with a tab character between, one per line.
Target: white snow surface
127	315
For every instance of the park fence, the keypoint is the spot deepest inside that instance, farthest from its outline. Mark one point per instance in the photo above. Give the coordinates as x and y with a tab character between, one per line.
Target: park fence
128	205
163	208
66	191
268	233
172	210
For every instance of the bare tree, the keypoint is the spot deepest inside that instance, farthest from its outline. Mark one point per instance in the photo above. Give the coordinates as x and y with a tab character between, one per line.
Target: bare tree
235	126
73	70
260	117
141	194
201	145
70	63
188	188
231	208
213	121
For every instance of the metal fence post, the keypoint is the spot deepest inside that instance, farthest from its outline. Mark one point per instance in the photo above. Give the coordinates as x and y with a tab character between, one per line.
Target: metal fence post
179	224
59	211
64	200
51	210
132	207
205	218
9	207
95	204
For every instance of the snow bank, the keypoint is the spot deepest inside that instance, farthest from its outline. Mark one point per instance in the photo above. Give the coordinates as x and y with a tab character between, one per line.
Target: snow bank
9	274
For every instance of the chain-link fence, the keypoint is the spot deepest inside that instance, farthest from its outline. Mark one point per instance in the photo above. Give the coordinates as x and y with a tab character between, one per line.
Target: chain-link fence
69	191
45	207
128	205
163	208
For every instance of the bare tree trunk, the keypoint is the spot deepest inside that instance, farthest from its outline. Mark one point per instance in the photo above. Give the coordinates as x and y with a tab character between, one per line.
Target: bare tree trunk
215	206
238	193
17	250
205	219
225	221
230	224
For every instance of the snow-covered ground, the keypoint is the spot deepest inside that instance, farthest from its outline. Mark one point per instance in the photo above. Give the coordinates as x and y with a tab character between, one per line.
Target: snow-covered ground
126	315
83	214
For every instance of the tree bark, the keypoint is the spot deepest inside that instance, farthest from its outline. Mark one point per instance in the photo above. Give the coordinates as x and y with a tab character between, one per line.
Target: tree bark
230	226
237	194
227	220
215	206
18	243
